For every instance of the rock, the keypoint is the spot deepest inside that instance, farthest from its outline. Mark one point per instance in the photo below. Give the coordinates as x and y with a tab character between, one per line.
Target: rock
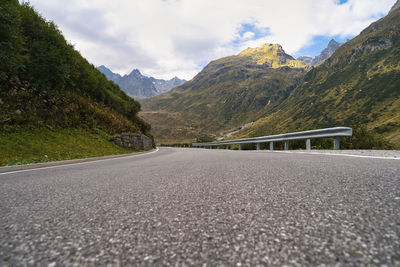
395	6
326	53
134	141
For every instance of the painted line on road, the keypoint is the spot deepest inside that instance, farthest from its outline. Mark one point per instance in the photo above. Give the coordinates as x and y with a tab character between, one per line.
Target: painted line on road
333	154
311	152
79	163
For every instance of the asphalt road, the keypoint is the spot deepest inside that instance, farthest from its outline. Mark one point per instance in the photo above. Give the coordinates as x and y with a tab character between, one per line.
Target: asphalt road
213	207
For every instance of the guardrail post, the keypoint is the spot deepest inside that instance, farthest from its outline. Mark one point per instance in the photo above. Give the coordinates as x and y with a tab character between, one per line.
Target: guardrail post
258	146
308	144
240	146
271	146
227	147
286	145
336	143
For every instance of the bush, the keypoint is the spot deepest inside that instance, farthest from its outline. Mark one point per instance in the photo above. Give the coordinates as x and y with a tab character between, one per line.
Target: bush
364	139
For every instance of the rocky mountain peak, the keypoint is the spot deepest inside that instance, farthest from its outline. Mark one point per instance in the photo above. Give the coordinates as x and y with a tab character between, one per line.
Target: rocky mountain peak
333	43
272	55
270	50
135	72
109	74
325	54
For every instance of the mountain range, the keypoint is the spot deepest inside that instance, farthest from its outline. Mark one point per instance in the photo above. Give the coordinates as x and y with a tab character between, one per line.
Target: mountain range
271	92
225	94
139	86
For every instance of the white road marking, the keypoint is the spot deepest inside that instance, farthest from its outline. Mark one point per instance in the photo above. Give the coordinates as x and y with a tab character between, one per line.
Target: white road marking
336	154
79	163
306	152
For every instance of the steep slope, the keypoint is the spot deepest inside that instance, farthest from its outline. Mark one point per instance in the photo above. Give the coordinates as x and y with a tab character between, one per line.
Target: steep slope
46	84
360	82
139	86
226	94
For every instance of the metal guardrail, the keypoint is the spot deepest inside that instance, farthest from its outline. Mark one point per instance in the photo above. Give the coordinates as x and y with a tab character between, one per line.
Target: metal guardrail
335	132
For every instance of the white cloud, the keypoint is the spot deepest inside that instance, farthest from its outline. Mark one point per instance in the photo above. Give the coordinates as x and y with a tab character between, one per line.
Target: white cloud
177	37
248	35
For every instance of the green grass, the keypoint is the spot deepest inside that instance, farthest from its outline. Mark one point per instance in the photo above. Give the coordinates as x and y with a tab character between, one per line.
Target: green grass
25	146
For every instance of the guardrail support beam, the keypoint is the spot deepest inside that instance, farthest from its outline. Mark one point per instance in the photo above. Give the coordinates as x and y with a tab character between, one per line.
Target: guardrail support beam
286	145
258	146
271	146
336	143
240	146
227	147
308	144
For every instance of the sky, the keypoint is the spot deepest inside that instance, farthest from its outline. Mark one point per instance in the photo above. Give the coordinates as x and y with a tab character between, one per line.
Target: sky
168	38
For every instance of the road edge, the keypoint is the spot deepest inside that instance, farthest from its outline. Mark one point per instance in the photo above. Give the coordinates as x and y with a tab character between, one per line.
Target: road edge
60	163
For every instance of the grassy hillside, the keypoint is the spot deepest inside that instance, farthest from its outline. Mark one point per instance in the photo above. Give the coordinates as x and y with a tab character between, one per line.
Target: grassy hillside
41	145
360	83
226	94
45	84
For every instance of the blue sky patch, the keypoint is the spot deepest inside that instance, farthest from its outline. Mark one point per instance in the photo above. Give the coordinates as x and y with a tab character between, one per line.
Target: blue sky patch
246	28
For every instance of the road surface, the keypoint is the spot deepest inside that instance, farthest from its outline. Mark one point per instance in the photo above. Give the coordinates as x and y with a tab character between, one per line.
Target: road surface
197	206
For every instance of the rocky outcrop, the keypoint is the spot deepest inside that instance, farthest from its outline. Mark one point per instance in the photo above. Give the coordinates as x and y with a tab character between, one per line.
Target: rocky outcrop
395	6
134	141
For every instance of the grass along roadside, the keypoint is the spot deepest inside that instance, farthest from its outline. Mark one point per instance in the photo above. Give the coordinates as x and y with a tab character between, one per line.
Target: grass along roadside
26	146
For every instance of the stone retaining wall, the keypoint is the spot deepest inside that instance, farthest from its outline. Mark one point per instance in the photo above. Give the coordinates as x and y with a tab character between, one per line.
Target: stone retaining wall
134	141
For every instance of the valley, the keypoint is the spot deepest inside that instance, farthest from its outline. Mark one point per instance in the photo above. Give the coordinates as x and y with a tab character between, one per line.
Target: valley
357	84
226	94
